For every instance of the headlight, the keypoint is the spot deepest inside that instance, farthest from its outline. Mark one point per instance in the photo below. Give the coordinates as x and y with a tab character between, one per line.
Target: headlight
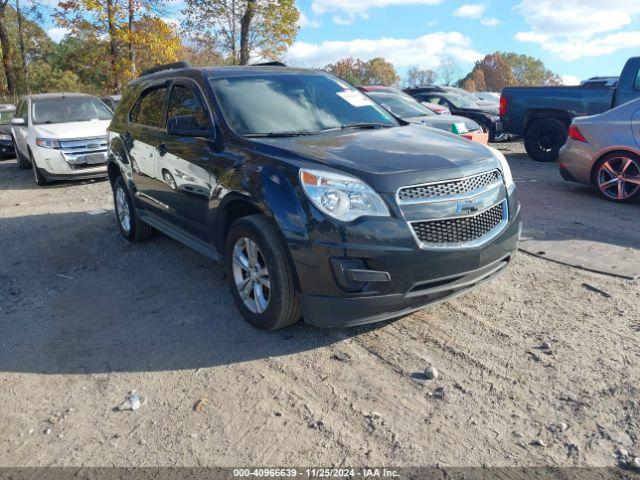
47	143
506	170
341	196
5	137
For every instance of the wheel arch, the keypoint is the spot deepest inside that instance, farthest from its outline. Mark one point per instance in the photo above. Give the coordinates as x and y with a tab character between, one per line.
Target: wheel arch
547	114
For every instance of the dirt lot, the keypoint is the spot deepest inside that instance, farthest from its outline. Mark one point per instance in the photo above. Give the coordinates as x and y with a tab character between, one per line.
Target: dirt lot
86	317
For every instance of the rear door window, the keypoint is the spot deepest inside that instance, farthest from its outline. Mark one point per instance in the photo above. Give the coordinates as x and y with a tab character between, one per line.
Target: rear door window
21	112
636	83
186	102
149	109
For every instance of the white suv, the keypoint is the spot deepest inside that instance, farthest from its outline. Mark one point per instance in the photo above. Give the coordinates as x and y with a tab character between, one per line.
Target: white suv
61	136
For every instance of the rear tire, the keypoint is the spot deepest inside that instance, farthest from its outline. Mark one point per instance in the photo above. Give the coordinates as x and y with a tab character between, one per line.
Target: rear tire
617	177
544	138
283	305
129	224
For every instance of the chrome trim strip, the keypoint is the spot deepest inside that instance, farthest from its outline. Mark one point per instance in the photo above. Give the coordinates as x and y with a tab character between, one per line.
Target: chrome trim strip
443	198
463	245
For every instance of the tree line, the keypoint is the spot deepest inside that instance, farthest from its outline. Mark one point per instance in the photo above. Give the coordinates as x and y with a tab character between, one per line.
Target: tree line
109	42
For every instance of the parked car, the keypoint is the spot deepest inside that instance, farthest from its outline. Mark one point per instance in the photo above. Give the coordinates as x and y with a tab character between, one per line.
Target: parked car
493	97
472	97
112	101
596	82
61	136
6	140
543	114
410	110
604	150
437	109
318	202
487	117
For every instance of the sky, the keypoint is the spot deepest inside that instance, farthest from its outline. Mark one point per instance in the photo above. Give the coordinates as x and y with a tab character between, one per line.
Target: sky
575	38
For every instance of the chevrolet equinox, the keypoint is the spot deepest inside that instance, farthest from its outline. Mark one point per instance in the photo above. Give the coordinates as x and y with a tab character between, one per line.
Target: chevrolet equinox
319	203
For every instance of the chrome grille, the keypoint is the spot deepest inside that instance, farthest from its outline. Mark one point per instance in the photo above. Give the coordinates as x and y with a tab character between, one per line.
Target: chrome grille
453	187
84	153
460	230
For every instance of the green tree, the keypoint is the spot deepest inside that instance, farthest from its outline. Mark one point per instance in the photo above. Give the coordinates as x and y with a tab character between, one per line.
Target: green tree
46	78
243	29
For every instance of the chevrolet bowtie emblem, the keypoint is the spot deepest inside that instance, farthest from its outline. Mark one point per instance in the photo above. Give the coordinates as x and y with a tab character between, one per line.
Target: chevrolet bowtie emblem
469	206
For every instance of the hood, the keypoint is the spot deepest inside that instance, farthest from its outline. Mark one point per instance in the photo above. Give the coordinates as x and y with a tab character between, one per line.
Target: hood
387	158
92	128
444	122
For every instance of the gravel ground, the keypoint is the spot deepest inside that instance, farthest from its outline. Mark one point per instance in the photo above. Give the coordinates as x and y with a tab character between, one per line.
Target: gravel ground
539	368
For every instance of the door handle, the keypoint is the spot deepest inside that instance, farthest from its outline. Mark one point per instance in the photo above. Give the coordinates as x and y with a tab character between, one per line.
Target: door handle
162	149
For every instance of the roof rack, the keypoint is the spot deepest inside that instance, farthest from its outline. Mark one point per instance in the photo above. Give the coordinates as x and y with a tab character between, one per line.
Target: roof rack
168	66
268	64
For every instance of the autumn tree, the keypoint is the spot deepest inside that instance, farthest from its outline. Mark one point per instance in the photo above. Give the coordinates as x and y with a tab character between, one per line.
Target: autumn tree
499	70
417	77
349	69
376	71
243	29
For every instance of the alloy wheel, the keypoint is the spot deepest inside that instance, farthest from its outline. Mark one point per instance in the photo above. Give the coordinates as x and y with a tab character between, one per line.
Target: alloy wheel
123	210
619	178
250	275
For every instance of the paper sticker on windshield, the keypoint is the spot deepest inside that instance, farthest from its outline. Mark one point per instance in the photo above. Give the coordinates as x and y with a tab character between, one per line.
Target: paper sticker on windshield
355	98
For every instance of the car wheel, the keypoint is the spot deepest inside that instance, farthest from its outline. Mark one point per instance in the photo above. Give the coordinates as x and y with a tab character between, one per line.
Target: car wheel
38	177
129	224
260	275
23	162
617	176
544	138
169	180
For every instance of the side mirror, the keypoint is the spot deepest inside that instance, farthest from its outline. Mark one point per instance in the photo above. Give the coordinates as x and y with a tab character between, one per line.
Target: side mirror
18	122
187	126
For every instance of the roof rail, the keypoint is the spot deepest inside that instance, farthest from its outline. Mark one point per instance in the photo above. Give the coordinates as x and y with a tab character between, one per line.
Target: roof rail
168	66
268	64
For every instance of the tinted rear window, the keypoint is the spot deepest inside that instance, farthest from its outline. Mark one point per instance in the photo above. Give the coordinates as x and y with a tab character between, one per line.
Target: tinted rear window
149	109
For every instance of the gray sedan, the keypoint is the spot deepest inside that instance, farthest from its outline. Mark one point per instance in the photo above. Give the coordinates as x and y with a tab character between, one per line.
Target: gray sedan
604	150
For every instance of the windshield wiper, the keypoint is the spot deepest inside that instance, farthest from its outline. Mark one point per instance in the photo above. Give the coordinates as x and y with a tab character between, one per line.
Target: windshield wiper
281	134
365	125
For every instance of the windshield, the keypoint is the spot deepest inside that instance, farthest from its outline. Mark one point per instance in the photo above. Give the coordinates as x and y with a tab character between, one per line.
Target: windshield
400	105
6	116
69	109
459	101
287	103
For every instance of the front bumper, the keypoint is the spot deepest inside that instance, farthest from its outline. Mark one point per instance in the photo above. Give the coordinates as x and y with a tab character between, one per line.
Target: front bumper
418	277
342	312
55	165
7	148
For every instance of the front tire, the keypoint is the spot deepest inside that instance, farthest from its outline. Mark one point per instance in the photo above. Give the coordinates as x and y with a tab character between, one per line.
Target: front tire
544	138
129	224
260	275
38	176
23	162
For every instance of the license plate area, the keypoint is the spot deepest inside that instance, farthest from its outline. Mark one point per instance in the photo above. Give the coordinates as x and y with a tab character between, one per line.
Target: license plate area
93	158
